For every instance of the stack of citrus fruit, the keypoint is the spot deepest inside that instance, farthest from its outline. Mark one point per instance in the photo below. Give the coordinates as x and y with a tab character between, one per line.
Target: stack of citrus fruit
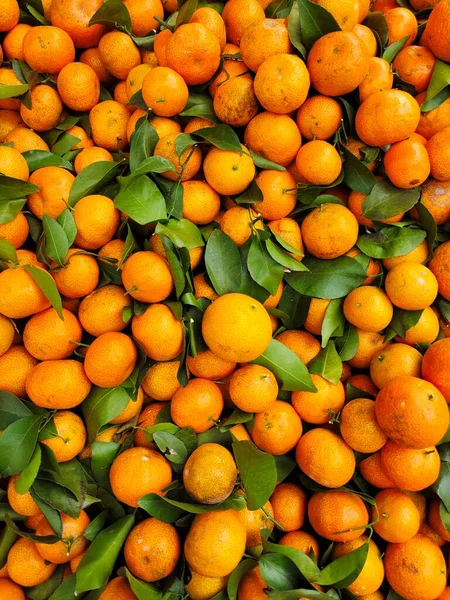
224	299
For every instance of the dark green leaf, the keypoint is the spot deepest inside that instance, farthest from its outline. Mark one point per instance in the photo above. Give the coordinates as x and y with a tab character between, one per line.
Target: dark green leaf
263	268
101	406
7	252
327	364
221	136
183	233
356	175
258	473
57	496
142	145
56	242
236	417
17	444
28	475
65	143
13	189
6	510
50	588
344	570
172	447
296	594
278	571
333	322
176	268
385	201
95	526
103	454
428	224
248	285
12	91
252	195
242	569
287	367
283	258
48	286
152	164
377	22
42	539
295	35
142	201
67	222
285	465
200	105
393	49
390	241
348	343
328	278
264	163
186	11
295	306
304	564
97	564
402	320
9	209
66	590
143	590
442	485
223	263
315	22
93	177
11	409
7	539
113	13
36	159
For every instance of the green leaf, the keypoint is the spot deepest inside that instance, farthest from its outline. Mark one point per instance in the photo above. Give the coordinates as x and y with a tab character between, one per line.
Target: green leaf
442	485
249	285
264	163
393	49
278	571
142	201
176	268
36	159
390	241
428	224
95	526
17	444
66	590
236	417
295	35
221	136
97	564
344	570
295	306
114	13
8	538
143	590
333	322
251	195
152	164
48	286
9	209
257	471
43	539
200	105
333	278
315	22
57	497
93	177
283	258
223	263
348	343
327	364
296	594
11	409
263	268
143	142
304	564
65	143
50	588
385	201
440	82
12	91
183	233
356	175
103	454
402	320
287	367
242	569
172	447
67	222
14	189
7	252
101	406
377	22
186	11
28	475
56	242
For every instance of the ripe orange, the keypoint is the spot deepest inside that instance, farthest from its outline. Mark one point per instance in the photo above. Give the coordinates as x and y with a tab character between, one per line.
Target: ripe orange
411	286
289	504
368	308
56	384
425	331
147	418
13	42
10	589
436	198
434	519
92	58
47	337
102	310
96	219
160	382
263	39
329	230
408	468
438	268
110	359
319	163
45	111
186	166
324	457
255	521
142	15
401	22
211	19
395	360
237	222
9	16
152	549
108	121
73	16
8	77
231	68
253	388
372	574
434	366
432	121
209	366
15	365
16	231
437	148
235	102
198	405
209	474
379	77
79	276
133	407
72	542
70	436
319	407
78	86
338	516
202	588
278	429
319	117
360	428
399	518
24	553
367	36
147	277
23	504
21	296
303	541
118	53
437	31
275	137
303	344
159	332
7	334
415	65
24	139
9	121
238	15
137	472
200	202
228	172
372	470
164	91
117	588
48	49
252	586
13	163
346	13
278	189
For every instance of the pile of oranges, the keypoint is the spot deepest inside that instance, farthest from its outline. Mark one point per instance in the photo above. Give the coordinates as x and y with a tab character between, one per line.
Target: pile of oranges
224	299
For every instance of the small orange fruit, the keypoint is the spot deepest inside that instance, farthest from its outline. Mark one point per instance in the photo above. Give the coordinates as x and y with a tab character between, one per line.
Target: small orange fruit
72	542
118	53
329	230
320	406
38	570
23	504
372	574
159	332
147	277
289	504
228	172
337	515
209	474
48	49
164	91
319	163
399	518
45	111
275	137
253	388
410	469
198	405
186	166
401	22
70	437
209	366
368	308
278	429
78	86
407	164
110	359
79	275
57	384
160	382
395	360
319	117
13	163
411	286
108	121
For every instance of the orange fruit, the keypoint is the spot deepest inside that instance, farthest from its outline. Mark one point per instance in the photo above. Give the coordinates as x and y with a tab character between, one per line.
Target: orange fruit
11	590
147	418
252	586
437	148
338	516
117	588
9	121
304	345
135	79
428	577
96	219
133	407
399	519
16	231
275	137
15	365
79	276
211	19
319	117
21	296
47	337
92	58
368	308
412	412
278	190
415	65
253	388
48	49
45	111
329	230
425	331
438	266
24	552
13	163
386	117
371	576
160	46
302	541
72	543
417	255
263	39
316	314
198	405
24	139
21	503
108	121
289	504
202	588
13	42
197	123
228	172
110	359
408	468
160	382
433	366
147	277
159	332
235	102
359	426
372	470
401	22
379	77
319	163
282	83
186	166
70	436
8	77
320	406
164	91
200	202
102	310
436	198
411	286
324	457
54	187
137	472
84	140
367	36
152	549
9	16
209	474
278	429
193	51
237	223
7	334
255	521
337	63
78	86
238	15
56	384
215	543
346	13
434	120
142	14
236	328
407	164
231	68
395	360
118	53
209	366
73	16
